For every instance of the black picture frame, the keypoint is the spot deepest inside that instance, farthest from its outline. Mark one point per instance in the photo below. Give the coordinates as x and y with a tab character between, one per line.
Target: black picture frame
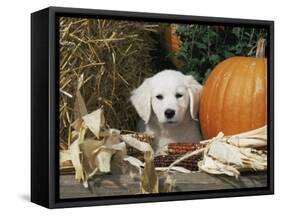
44	108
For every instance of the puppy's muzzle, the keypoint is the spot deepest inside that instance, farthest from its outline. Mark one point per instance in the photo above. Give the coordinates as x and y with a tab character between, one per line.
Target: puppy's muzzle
169	113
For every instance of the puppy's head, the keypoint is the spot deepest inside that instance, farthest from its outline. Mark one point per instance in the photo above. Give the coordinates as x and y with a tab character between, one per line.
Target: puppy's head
168	94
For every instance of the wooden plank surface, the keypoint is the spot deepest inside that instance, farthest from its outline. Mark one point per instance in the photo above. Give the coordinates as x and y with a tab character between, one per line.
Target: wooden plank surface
110	185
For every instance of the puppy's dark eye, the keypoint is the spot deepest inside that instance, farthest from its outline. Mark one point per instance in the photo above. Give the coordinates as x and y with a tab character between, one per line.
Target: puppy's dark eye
178	95
159	97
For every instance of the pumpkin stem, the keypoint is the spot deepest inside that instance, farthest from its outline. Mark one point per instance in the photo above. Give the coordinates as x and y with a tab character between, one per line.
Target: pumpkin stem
260	53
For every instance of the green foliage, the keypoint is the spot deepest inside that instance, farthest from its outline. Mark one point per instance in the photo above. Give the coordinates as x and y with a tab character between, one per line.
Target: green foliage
203	47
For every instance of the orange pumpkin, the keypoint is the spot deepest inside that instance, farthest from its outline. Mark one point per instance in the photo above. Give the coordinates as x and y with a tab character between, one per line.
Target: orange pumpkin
234	97
171	42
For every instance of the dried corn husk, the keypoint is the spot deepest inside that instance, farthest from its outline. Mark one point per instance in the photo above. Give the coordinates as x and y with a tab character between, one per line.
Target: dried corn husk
149	179
229	154
95	121
80	108
135	143
89	156
169	183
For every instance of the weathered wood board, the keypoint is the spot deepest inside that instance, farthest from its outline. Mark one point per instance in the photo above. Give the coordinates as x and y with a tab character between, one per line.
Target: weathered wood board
110	185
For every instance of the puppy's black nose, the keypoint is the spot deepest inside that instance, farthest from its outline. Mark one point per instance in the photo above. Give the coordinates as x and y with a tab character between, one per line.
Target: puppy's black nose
169	113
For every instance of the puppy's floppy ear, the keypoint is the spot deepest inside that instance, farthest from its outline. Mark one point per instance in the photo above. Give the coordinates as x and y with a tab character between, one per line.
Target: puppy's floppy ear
194	89
141	99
